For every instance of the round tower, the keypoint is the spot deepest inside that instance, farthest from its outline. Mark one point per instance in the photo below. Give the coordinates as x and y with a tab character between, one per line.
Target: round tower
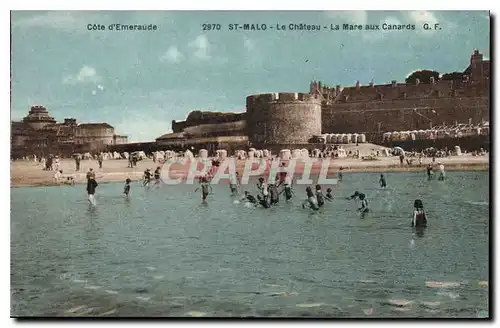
38	117
282	118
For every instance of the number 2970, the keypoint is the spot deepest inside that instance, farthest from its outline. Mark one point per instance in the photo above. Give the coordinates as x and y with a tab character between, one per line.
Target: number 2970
211	27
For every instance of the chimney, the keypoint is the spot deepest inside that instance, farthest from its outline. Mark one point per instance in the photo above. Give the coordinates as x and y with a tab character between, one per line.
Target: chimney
319	85
393	83
433	80
357	85
417	81
337	89
371	84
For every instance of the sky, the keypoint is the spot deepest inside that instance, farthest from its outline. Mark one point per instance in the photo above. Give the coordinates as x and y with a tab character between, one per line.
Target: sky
139	81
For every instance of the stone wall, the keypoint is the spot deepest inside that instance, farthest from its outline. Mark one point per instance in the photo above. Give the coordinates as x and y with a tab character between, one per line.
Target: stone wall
398	115
284	118
196	118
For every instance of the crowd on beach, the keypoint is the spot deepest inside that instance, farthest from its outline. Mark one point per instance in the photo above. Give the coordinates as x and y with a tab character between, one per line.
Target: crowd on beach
51	162
406	158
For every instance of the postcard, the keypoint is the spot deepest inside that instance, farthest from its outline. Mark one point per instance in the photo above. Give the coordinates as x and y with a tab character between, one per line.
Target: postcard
238	164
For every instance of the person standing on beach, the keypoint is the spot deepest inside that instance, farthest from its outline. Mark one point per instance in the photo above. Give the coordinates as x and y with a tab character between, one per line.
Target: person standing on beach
340	173
77	162
100	158
48	163
58	176
56	163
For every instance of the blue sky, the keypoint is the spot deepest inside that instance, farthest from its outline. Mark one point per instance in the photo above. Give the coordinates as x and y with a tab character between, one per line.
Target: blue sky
140	81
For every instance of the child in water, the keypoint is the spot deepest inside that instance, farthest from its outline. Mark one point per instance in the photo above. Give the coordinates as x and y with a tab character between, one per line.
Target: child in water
263	188
355	195
91	187
364	204
205	185
329	195
126	189
382	182
429	172
233	184
147	177
274	193
441	172
157	176
419	217
311	199
264	201
319	196
287	188
248	197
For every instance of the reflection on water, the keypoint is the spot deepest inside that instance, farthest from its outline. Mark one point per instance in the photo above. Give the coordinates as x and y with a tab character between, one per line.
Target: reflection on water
165	253
419	232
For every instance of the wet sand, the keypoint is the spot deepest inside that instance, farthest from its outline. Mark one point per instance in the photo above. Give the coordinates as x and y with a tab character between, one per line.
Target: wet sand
28	173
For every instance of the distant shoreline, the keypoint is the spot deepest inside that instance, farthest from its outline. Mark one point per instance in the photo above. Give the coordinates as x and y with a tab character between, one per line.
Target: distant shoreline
28	174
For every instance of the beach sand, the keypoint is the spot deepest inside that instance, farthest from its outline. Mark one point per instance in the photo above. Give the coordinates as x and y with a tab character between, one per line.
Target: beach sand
28	173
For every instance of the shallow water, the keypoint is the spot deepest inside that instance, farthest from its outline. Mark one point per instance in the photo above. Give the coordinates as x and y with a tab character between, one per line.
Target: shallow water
163	253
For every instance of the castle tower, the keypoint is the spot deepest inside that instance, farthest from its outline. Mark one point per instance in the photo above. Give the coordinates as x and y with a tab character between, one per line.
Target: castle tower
476	66
282	118
38	117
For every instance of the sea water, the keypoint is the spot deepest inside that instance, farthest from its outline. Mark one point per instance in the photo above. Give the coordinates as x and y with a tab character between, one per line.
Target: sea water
163	252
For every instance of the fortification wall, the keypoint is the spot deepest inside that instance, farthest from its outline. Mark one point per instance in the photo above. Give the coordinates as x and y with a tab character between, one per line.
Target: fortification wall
402	91
213	130
196	118
282	118
398	115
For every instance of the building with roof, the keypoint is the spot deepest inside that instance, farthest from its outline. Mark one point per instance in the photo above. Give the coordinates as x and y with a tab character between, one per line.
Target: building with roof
39	133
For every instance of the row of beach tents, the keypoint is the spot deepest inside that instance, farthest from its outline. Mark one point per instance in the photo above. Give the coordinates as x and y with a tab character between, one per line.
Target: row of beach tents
432	134
344	138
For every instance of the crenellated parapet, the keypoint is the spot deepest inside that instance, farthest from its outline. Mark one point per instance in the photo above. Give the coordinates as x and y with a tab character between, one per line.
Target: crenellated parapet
283	118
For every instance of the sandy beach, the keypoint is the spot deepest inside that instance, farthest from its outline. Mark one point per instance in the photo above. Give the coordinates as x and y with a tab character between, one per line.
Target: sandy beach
28	173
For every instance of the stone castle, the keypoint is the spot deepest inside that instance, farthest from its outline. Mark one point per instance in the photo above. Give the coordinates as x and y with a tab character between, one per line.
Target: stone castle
39	133
286	120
